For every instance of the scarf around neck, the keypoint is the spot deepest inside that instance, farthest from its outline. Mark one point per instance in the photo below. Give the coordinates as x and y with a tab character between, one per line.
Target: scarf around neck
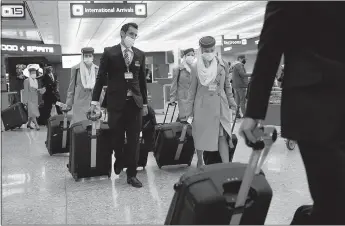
206	75
88	78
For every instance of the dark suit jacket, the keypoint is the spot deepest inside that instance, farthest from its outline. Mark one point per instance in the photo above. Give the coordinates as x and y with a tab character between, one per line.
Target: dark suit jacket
52	93
311	35
112	65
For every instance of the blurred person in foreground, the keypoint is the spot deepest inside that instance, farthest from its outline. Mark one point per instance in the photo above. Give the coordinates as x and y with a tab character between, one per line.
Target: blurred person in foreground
182	80
314	78
126	98
209	101
82	82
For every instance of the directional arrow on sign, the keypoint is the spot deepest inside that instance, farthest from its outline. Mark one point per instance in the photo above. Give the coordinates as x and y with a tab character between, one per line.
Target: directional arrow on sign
22	48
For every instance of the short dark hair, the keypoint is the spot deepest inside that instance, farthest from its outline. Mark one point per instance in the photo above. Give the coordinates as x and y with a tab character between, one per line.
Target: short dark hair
125	27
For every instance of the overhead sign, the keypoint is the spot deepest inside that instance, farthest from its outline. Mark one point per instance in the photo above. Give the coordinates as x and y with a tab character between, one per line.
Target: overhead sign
230	42
108	10
10	11
233	46
29	49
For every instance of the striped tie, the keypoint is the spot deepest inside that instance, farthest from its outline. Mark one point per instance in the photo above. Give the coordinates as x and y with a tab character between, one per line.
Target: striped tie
126	56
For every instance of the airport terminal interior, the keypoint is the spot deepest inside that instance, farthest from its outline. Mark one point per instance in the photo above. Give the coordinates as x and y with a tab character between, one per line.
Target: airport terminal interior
38	188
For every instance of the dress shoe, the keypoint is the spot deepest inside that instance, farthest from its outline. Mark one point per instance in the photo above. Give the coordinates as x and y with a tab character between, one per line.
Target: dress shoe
117	168
134	182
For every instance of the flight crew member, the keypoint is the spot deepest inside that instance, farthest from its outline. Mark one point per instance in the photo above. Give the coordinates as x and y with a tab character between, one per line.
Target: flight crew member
126	98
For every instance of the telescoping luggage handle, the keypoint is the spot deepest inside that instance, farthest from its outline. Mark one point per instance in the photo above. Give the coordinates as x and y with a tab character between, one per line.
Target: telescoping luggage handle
94	119
166	113
260	151
65	122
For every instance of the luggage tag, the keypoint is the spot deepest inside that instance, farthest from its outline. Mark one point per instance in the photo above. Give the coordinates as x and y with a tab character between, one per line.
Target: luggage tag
212	87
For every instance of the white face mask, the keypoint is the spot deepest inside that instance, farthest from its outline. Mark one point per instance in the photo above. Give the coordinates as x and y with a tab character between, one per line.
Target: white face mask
190	59
88	60
208	56
33	75
129	42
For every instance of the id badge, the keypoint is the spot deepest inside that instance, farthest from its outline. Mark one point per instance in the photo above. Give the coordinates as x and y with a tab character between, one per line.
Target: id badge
128	75
137	63
212	87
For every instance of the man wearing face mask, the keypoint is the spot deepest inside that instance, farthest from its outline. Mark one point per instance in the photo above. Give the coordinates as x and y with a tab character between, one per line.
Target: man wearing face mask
126	98
82	82
182	79
240	80
209	101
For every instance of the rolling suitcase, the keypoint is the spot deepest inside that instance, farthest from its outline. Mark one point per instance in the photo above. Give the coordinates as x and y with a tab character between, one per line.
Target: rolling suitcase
14	116
58	133
174	144
213	157
220	194
90	149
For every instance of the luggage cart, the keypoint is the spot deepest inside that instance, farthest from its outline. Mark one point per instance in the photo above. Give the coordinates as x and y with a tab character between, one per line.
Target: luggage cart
273	114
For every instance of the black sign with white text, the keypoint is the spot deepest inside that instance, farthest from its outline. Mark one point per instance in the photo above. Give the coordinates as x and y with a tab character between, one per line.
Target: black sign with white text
108	10
12	11
15	48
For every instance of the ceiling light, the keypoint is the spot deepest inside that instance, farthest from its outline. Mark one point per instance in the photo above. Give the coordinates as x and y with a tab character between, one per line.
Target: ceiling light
183	9
206	18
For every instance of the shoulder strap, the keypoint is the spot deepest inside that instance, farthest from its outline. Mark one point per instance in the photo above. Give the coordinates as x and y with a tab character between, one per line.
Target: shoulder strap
75	78
178	76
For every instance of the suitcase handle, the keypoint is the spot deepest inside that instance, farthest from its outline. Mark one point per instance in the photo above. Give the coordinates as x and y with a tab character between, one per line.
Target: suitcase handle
260	151
166	113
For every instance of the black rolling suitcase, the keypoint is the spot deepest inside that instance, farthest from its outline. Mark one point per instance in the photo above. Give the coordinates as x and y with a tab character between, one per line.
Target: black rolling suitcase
90	149
174	144
214	157
14	116
58	133
226	193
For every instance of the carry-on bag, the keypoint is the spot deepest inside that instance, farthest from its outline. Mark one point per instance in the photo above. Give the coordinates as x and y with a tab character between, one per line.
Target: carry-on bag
174	144
213	157
220	194
57	133
14	116
90	149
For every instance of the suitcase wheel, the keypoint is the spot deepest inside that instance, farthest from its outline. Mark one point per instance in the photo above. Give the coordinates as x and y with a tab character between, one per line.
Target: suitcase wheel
290	144
109	175
75	176
177	186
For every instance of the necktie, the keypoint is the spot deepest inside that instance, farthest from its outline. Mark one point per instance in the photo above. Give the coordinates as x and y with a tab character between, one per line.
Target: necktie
126	56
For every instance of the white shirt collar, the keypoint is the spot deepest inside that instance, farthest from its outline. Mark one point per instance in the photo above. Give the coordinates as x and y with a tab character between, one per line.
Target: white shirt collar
123	48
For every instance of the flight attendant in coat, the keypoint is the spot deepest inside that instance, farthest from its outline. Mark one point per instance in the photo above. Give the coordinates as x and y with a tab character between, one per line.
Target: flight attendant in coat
181	80
82	82
209	100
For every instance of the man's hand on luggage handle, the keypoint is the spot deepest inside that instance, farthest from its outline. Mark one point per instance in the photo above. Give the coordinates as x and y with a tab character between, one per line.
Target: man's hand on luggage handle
247	127
92	109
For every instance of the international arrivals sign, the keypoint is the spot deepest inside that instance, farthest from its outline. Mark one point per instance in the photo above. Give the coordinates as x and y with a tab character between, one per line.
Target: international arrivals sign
108	10
29	49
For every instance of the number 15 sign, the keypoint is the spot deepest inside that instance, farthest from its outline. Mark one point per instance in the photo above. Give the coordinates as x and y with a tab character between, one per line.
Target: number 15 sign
12	11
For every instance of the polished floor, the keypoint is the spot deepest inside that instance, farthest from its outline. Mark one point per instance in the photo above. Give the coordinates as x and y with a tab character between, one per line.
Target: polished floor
38	189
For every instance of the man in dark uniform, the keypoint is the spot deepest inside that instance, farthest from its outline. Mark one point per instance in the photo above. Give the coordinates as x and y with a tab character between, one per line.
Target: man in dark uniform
126	97
51	83
313	109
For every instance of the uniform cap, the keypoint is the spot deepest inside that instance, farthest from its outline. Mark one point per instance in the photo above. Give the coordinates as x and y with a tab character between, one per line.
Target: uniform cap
207	42
87	50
